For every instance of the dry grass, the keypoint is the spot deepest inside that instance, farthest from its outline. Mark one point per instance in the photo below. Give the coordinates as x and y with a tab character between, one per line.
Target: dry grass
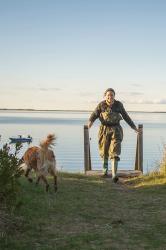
91	213
163	163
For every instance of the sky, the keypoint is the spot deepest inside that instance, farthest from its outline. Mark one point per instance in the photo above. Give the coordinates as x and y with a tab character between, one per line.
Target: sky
63	54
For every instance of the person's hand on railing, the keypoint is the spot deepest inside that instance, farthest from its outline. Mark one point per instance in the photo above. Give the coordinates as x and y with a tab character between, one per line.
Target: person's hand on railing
137	130
90	124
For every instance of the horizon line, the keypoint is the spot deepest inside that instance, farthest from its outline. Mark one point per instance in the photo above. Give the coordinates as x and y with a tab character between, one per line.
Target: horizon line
71	110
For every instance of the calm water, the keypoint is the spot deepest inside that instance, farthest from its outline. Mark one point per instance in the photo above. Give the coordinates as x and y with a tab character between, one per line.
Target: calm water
68	127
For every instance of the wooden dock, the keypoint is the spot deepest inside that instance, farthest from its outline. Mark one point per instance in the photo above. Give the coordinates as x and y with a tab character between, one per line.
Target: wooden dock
120	173
138	168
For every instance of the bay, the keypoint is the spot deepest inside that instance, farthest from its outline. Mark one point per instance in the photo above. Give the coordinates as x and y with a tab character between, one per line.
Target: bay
68	127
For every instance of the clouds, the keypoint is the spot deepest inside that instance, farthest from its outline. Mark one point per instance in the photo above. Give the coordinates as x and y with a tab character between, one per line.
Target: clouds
162	101
86	94
90	94
131	93
136	93
29	89
135	97
136	85
146	101
138	97
50	89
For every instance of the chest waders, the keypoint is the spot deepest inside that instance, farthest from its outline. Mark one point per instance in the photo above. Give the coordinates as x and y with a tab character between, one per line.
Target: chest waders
110	137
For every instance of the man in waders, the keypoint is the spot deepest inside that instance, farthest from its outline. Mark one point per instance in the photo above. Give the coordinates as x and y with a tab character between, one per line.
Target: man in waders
110	112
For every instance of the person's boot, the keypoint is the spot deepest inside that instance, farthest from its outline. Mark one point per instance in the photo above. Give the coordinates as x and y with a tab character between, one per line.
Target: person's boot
105	167
114	164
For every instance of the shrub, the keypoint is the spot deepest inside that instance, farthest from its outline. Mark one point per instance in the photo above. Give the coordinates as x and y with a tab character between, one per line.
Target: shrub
10	172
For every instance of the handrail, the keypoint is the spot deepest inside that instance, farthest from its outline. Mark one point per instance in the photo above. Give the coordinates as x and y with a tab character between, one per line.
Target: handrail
87	155
139	150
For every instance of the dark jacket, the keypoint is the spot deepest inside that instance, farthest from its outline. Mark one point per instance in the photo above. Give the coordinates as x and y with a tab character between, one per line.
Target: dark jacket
116	109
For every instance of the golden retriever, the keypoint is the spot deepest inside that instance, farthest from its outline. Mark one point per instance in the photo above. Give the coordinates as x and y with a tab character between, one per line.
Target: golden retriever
42	160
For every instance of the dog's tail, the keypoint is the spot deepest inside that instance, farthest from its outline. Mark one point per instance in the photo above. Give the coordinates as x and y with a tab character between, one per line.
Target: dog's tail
48	142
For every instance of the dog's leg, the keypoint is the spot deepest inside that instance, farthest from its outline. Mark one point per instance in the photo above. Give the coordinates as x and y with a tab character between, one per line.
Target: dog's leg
27	173
38	179
45	181
41	174
55	183
52	172
38	176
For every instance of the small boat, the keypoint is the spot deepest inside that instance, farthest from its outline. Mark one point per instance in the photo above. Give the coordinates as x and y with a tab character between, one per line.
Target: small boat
21	139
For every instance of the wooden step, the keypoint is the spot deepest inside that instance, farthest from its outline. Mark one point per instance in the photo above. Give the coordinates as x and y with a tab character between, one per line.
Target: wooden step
120	173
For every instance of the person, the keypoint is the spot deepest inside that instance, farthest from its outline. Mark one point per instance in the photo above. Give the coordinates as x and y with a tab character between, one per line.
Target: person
110	112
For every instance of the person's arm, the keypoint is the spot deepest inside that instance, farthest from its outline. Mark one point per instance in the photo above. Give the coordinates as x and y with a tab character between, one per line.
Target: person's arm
127	118
90	124
95	114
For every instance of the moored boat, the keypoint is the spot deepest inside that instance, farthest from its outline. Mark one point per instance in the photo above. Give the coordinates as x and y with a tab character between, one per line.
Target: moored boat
21	139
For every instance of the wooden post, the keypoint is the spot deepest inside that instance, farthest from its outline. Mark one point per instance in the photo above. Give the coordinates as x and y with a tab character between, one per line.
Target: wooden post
87	157
139	150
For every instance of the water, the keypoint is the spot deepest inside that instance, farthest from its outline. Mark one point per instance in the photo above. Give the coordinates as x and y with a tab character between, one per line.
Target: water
68	127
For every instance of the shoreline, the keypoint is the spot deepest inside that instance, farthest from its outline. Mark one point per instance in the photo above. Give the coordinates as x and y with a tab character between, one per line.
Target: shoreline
71	110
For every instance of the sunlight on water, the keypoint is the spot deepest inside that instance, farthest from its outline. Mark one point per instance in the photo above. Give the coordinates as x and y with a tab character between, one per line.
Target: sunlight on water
68	127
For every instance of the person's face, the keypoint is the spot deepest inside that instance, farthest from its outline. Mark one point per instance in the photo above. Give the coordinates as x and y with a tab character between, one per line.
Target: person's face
110	97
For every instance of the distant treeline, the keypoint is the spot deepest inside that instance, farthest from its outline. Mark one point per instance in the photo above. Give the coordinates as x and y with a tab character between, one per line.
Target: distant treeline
73	110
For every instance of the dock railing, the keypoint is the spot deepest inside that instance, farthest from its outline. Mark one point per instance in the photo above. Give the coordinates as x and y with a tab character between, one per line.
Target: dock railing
139	150
87	155
138	156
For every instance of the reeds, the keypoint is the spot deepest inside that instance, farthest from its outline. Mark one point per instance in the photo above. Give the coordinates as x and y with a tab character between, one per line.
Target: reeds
162	168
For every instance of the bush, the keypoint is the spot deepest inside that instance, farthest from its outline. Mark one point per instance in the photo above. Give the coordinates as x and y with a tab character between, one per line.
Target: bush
10	172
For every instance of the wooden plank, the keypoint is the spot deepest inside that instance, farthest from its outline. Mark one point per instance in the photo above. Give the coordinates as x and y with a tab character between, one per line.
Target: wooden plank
120	173
136	156
87	158
139	150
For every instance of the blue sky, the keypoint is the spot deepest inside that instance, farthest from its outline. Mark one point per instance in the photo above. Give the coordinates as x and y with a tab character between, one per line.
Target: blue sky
63	54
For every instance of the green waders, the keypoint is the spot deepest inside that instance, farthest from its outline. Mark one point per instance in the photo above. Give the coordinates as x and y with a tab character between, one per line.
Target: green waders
114	164
110	138
105	166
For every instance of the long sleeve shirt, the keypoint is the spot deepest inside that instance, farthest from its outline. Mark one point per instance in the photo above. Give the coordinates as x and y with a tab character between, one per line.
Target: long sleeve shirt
116	107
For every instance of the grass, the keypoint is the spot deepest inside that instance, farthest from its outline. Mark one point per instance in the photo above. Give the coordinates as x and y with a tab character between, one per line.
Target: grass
89	213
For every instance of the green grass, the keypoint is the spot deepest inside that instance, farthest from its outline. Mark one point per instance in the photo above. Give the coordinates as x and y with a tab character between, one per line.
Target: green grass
89	213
